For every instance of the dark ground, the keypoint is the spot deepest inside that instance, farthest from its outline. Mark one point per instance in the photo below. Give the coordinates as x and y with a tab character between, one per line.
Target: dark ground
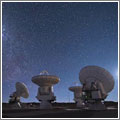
60	110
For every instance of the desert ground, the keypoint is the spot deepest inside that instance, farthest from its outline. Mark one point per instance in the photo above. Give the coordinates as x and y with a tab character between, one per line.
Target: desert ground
60	110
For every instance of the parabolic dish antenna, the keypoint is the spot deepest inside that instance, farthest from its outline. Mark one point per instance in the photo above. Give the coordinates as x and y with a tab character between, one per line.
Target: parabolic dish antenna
45	91
21	90
77	90
97	74
44	79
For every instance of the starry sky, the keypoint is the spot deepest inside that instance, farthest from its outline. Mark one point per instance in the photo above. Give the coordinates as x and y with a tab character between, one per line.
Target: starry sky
60	37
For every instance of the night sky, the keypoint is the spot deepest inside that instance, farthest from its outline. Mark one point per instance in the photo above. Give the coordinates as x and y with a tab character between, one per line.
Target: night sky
61	38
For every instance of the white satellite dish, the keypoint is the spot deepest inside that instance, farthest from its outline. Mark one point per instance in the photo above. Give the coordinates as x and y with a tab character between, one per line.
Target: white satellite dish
91	74
77	90
45	80
97	82
45	91
21	91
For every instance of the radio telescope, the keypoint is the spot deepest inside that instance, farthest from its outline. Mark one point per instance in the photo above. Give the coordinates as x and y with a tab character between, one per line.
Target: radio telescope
97	83
77	90
45	91
21	91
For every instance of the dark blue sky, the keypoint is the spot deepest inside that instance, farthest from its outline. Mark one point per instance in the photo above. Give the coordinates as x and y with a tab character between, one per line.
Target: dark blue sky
58	37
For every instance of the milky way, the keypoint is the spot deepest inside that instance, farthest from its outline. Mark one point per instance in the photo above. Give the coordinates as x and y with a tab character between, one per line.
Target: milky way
60	38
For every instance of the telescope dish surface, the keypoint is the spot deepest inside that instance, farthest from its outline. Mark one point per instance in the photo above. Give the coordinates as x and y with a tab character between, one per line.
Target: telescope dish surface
97	74
75	88
45	80
21	90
